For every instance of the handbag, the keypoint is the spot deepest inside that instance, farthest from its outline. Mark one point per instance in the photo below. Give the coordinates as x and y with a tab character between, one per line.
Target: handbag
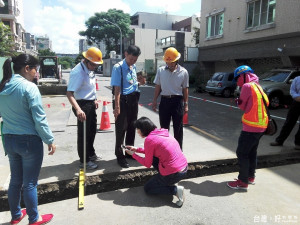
272	126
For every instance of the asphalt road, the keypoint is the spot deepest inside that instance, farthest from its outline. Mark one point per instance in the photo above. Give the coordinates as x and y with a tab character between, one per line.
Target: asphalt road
219	119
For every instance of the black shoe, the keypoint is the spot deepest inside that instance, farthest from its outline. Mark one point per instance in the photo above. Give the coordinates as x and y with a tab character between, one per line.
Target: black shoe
275	143
128	156
123	163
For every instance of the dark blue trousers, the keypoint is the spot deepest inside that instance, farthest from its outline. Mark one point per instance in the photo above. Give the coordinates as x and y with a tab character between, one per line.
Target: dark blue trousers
247	154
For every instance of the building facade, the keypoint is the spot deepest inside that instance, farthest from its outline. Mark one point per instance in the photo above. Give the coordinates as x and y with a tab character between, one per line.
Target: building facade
263	34
11	14
151	30
30	44
83	46
161	21
43	43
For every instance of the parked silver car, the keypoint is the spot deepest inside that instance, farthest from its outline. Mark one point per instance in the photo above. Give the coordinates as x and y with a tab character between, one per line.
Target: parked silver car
221	83
276	84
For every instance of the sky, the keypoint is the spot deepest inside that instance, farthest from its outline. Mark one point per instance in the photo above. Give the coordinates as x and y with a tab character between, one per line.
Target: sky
61	20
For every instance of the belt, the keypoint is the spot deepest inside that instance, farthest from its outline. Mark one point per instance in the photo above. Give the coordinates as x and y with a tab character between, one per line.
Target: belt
83	100
171	96
131	94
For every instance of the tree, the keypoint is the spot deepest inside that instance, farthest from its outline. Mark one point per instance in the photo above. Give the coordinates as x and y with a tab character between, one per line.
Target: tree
78	58
99	30
196	35
46	52
6	41
66	62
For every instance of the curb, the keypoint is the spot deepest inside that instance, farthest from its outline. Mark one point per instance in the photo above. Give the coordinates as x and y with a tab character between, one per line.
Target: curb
68	189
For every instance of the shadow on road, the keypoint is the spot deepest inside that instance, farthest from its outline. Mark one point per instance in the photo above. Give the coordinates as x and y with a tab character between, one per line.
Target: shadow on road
137	197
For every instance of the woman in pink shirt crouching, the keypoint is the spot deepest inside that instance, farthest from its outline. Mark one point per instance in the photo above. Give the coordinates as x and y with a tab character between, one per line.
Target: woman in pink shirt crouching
163	152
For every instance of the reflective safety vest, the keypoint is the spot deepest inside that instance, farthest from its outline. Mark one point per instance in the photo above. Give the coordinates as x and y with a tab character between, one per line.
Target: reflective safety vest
257	116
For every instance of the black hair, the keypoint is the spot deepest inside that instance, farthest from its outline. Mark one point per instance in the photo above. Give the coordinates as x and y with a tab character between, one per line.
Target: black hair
145	125
19	62
133	50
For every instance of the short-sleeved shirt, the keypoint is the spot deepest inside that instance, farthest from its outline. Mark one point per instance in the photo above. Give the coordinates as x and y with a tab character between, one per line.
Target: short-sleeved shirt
82	83
130	83
295	88
172	83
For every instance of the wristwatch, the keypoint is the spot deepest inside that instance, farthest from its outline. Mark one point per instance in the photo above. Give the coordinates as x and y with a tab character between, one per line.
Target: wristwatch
186	103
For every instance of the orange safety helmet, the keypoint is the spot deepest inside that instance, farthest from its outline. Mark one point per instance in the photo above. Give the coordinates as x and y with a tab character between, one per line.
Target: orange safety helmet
94	55
171	55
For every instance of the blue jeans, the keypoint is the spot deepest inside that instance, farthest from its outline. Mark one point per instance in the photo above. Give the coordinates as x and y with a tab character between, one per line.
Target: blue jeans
25	153
247	154
163	185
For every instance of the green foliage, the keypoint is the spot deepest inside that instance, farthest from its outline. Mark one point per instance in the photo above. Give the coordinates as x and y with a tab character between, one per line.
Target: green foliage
6	41
66	62
199	83
192	80
99	30
78	59
46	52
196	35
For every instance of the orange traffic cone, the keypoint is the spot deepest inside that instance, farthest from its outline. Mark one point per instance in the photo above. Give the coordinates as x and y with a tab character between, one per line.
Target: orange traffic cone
185	119
97	87
105	123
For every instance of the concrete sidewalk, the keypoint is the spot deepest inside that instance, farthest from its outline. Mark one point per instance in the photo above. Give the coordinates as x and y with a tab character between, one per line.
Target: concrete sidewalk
274	199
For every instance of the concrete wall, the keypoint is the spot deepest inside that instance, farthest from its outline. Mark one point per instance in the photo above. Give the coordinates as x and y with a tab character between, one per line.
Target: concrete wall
256	47
287	20
146	40
108	64
157	21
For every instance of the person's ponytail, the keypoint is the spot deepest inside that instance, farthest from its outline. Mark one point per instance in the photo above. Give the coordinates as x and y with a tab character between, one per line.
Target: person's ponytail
7	73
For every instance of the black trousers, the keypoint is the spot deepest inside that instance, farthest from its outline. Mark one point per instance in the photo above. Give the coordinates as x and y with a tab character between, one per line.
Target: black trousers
291	120
125	122
247	154
172	108
89	108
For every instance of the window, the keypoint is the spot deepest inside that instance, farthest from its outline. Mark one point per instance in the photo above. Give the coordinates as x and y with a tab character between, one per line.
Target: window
230	76
260	12
143	25
218	76
214	25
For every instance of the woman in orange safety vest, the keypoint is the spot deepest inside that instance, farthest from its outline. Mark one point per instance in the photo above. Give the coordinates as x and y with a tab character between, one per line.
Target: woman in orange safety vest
255	121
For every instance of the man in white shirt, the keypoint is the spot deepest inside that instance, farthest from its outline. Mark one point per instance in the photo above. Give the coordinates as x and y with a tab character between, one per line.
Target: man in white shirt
172	82
81	94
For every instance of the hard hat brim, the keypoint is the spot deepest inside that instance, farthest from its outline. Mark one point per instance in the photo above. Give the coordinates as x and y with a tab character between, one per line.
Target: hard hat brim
177	58
96	62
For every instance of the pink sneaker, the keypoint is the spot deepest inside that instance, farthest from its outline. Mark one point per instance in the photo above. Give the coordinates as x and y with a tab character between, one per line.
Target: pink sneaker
251	180
237	184
45	219
24	213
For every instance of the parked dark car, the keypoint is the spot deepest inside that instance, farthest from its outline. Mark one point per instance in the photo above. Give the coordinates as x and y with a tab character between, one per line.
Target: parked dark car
221	83
276	84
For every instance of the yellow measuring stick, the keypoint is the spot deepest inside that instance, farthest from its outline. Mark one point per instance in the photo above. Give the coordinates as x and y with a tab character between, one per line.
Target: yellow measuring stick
82	172
81	189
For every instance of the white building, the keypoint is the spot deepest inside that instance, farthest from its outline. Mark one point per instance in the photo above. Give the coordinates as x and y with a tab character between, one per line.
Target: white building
11	14
151	28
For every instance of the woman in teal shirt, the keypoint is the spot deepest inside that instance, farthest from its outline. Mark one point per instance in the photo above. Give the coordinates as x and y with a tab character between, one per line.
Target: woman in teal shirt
25	128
